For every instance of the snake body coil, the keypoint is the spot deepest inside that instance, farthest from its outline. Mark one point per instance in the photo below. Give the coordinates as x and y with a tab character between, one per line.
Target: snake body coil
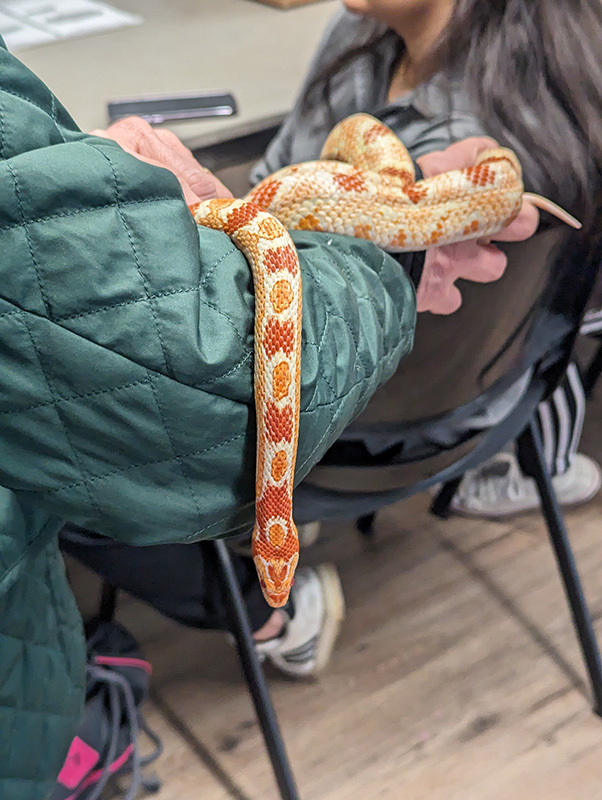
363	186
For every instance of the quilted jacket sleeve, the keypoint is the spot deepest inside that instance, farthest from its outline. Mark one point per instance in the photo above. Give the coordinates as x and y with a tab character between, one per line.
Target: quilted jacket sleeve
126	348
126	336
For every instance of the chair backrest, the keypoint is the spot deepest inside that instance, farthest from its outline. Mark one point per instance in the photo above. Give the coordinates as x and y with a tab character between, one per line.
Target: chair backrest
478	351
448	365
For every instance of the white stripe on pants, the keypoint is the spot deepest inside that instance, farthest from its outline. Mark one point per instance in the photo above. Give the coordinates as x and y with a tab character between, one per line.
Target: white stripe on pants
560	419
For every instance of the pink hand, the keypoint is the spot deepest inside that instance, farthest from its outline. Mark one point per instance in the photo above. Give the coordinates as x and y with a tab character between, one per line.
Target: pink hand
475	260
163	149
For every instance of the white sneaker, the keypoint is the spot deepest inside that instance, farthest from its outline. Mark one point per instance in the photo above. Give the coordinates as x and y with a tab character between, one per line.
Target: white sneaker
498	488
308	534
318	609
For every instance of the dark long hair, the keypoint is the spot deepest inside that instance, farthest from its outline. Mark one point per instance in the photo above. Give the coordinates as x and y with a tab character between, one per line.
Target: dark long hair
532	70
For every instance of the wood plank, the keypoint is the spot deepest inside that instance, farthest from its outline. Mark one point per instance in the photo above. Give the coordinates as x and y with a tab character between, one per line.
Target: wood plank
454	676
421	684
179	767
521	572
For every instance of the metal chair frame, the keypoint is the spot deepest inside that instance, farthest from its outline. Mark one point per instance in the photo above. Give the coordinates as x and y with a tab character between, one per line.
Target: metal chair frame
520	423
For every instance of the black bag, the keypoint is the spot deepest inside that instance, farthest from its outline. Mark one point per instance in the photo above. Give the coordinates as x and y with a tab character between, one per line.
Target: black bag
106	744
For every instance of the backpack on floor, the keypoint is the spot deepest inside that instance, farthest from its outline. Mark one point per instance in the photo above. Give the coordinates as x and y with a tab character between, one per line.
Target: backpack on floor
106	744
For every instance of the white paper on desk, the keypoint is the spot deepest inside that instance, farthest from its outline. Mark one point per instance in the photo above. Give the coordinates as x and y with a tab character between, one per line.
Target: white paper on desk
40	21
19	34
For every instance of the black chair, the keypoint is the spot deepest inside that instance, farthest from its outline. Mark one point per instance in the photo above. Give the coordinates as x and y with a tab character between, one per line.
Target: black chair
527	321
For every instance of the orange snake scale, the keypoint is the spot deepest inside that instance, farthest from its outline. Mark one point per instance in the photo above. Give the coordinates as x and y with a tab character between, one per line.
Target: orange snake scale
277	376
363	186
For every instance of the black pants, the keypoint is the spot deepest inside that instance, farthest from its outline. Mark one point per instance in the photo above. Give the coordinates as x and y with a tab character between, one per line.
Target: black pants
179	580
560	417
560	421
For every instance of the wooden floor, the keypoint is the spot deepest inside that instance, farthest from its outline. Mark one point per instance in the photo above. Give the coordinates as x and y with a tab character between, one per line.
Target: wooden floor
457	675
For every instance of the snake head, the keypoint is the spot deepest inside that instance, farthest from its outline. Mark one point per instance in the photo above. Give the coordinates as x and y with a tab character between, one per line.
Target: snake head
276	576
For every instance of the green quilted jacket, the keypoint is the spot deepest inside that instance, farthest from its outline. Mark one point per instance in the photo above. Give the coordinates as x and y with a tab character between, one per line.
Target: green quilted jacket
126	400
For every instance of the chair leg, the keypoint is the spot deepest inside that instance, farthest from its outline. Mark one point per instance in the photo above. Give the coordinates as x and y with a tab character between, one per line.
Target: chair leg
108	602
566	562
440	507
365	525
254	674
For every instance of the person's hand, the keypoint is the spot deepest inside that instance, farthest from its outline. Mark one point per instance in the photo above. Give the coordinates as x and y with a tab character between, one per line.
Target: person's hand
163	149
474	260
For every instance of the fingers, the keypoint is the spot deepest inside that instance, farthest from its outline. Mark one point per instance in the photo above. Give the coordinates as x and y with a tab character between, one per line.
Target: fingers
436	292
480	263
163	148
202	182
448	304
442	307
443	266
459	155
219	188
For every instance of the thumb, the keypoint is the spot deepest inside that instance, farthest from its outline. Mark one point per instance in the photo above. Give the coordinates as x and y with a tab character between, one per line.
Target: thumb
205	185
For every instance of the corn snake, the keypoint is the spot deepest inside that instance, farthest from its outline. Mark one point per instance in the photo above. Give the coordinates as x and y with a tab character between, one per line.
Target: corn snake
363	186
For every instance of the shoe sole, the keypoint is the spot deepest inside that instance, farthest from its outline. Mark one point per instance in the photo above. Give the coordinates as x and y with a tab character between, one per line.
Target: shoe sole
530	509
334	614
309	534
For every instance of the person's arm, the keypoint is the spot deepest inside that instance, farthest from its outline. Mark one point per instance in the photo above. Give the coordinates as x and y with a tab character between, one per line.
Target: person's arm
127	346
126	385
126	335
